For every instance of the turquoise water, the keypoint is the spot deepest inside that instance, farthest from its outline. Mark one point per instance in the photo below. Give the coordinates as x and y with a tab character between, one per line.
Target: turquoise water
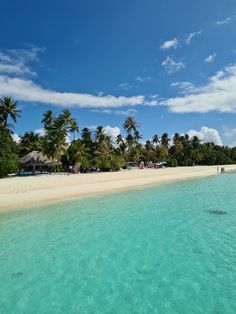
168	249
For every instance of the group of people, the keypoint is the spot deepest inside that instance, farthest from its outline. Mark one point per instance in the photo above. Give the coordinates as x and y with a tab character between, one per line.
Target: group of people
152	165
221	169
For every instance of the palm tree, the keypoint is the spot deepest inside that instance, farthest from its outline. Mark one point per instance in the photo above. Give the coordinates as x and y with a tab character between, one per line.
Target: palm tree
57	129
80	156
149	149
29	142
54	141
196	154
176	138
186	141
130	140
47	120
195	142
122	144
138	152
99	134
137	136
74	128
130	125
65	116
162	153
86	135
165	140
155	140
119	139
8	108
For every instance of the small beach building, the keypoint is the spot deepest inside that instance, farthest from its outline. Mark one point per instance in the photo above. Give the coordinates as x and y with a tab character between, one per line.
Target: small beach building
36	162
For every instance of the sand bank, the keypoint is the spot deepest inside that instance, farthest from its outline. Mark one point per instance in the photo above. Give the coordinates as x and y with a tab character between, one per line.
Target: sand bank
25	191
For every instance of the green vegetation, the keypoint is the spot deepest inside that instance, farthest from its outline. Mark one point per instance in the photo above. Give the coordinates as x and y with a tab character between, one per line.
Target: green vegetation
8	154
8	109
8	148
95	150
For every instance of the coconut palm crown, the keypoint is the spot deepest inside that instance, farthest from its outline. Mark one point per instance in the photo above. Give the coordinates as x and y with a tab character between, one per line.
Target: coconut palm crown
8	108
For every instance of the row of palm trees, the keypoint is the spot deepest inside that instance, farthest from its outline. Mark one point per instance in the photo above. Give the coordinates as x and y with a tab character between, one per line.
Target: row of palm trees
95	149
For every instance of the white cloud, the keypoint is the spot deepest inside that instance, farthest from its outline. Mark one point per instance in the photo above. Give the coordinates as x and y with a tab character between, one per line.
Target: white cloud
17	69
152	101
106	111
173	43
16	138
111	131
207	135
229	132
210	58
40	132
125	86
15	61
171	65
108	130
143	79
218	94
26	90
185	87
25	55
125	112
128	112
225	21
190	36
14	67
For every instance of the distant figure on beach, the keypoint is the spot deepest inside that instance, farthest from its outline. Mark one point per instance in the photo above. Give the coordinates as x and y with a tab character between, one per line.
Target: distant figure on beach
218	169
141	166
150	164
222	170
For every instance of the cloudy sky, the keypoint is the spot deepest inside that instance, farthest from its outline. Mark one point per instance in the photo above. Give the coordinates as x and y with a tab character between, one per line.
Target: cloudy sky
171	64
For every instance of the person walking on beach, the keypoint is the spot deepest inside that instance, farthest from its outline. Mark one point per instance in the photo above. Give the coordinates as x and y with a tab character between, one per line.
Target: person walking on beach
222	170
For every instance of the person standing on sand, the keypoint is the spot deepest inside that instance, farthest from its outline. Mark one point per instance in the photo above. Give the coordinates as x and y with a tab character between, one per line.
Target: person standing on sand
222	170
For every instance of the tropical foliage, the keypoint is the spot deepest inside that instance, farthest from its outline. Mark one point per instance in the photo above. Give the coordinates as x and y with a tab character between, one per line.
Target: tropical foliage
8	148
8	109
95	150
8	154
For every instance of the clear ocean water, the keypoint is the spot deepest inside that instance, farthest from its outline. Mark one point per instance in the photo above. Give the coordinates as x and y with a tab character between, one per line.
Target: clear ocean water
164	249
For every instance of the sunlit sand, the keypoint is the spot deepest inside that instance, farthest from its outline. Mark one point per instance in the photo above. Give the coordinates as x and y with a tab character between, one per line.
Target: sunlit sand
24	191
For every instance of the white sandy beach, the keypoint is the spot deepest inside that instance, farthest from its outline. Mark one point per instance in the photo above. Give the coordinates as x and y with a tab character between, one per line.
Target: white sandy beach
24	191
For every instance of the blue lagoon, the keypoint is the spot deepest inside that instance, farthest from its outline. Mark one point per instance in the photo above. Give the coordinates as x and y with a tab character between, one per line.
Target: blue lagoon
160	249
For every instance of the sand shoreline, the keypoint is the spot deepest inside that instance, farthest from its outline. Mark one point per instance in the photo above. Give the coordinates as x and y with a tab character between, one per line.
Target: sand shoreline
29	191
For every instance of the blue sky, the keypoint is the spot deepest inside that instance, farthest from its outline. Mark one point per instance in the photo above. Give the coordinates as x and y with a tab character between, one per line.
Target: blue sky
172	64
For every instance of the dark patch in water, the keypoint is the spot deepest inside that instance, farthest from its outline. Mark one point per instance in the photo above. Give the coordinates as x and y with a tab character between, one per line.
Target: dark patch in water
16	275
217	212
196	251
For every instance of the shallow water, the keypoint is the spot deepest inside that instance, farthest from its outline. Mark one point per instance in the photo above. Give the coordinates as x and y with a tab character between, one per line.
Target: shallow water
168	249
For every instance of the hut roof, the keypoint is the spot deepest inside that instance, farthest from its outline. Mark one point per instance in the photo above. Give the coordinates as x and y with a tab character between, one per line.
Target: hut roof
36	158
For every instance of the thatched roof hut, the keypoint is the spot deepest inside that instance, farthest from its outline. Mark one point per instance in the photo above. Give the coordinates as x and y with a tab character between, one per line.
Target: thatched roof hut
37	159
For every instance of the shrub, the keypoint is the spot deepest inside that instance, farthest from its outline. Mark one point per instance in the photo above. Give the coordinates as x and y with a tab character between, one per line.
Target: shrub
172	162
8	154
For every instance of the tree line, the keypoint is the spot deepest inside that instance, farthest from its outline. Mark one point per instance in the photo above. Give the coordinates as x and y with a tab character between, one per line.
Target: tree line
95	150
